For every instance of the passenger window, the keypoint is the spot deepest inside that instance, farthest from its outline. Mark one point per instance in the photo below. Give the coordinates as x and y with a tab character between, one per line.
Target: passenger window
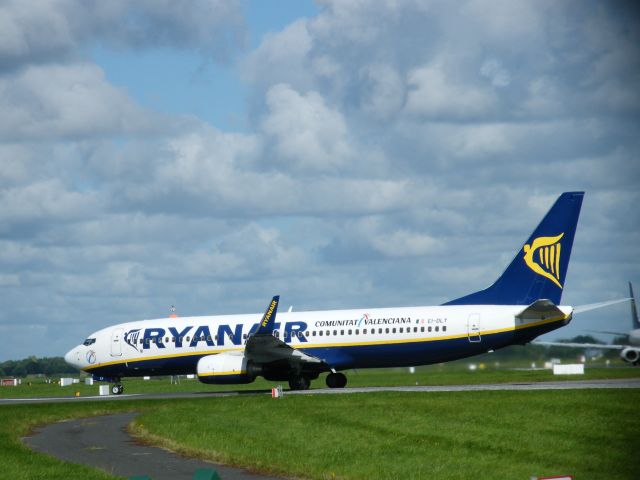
444	328
208	338
422	329
357	332
429	329
244	335
379	330
313	334
335	333
364	332
187	339
319	333
437	328
341	332
393	330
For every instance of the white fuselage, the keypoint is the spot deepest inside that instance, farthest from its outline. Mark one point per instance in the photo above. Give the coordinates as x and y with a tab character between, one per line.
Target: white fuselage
341	338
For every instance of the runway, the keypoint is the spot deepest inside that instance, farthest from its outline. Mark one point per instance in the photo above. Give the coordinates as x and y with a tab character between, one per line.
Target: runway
559	385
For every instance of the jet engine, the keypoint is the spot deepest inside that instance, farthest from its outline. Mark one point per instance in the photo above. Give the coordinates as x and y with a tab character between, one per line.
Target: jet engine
631	355
225	368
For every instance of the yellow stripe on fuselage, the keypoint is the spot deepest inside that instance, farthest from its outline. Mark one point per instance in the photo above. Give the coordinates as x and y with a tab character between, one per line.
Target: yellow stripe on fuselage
221	374
327	345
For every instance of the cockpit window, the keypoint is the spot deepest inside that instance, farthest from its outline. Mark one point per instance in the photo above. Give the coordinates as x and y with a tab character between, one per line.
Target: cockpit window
89	341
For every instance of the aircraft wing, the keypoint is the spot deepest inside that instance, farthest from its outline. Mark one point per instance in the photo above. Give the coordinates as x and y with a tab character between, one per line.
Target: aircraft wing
622	334
264	347
582	345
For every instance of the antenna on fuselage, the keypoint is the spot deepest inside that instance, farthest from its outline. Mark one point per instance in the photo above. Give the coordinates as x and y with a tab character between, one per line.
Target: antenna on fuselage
173	313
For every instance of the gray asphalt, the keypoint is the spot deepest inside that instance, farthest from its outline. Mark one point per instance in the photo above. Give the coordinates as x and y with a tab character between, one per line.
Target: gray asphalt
559	385
102	442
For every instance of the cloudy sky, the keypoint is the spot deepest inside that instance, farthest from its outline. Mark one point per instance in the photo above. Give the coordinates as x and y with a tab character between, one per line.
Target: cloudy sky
211	154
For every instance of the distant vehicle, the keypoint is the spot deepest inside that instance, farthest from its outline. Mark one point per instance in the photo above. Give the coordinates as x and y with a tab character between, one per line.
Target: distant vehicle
298	346
629	353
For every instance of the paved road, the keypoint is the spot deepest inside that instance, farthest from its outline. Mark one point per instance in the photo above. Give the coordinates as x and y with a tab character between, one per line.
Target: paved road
560	385
102	442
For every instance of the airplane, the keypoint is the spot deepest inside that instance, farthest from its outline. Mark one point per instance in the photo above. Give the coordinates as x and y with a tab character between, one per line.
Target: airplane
628	353
523	303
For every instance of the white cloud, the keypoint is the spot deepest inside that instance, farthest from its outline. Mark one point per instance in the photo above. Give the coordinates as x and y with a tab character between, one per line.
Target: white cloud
60	28
306	134
393	150
383	91
433	93
71	100
495	71
282	57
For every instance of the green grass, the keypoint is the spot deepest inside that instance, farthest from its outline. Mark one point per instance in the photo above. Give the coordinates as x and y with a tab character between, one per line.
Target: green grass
463	435
447	374
17	462
586	433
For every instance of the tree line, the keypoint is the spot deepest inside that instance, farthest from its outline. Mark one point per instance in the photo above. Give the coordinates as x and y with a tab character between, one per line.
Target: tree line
34	366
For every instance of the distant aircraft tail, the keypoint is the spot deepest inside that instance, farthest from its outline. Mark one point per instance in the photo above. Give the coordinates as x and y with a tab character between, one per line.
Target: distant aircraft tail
634	309
539	269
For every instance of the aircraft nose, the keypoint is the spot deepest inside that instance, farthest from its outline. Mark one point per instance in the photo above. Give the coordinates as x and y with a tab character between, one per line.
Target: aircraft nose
71	357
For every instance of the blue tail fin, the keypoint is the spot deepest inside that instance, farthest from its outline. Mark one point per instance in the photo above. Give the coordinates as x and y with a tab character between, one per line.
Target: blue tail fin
540	267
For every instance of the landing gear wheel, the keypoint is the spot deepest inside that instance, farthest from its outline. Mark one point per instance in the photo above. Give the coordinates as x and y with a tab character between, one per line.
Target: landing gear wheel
117	389
336	380
299	382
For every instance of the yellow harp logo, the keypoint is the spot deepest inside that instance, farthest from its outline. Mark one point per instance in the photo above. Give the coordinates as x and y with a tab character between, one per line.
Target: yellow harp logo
547	261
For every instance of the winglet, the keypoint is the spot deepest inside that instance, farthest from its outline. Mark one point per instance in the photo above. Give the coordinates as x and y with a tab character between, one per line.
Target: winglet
269	317
634	309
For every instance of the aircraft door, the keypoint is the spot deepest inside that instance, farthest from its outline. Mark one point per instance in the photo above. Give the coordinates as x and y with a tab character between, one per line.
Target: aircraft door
116	342
473	328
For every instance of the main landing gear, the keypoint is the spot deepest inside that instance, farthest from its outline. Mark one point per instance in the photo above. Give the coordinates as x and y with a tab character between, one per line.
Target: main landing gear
117	389
336	380
299	382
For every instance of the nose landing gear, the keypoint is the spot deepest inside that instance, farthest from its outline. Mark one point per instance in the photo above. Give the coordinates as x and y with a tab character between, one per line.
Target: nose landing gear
117	389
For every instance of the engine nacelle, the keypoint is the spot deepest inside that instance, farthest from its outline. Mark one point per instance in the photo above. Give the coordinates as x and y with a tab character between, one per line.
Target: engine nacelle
225	368
631	355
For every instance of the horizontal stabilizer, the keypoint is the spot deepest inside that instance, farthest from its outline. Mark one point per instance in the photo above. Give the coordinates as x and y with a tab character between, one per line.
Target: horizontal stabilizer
540	310
595	306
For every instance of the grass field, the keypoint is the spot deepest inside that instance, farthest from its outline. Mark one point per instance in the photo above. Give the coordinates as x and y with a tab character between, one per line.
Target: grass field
586	433
464	435
447	374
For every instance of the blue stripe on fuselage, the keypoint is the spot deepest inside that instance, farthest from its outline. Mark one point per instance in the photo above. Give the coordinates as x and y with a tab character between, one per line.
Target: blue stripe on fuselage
351	356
